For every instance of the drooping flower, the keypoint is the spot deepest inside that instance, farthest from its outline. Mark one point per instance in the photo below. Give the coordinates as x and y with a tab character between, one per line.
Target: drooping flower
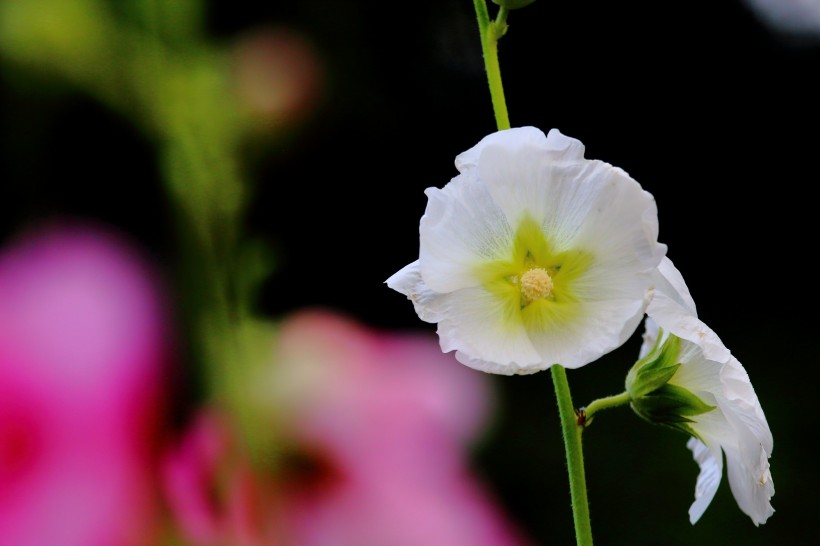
533	255
83	349
731	420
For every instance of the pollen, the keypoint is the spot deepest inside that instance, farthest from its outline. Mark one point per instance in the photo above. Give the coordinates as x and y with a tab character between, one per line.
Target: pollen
536	284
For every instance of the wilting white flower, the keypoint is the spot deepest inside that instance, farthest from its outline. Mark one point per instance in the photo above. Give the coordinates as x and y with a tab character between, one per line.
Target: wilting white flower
735	424
533	256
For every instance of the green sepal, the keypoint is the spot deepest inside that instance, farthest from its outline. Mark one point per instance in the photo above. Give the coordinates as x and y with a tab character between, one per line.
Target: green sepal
513	4
670	404
655	369
654	398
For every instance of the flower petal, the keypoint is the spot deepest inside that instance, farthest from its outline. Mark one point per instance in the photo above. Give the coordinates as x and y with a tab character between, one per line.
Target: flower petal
748	456
487	334
670	283
738	391
711	471
752	487
580	203
673	309
461	228
426	302
602	327
514	137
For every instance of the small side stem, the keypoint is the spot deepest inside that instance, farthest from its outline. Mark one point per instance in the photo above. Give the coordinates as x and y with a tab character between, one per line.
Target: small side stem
606	403
575	456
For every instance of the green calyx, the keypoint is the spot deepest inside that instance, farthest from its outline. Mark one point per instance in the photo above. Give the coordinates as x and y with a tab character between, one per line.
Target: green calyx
657	400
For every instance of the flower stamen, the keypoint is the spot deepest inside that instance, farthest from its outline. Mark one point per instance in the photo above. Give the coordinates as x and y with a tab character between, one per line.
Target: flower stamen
536	284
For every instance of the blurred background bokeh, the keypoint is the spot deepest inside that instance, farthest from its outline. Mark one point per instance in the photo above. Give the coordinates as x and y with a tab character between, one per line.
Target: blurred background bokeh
200	201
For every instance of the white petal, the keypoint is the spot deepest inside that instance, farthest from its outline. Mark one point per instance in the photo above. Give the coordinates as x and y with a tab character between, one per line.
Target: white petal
514	137
405	279
698	374
525	180
475	326
544	180
602	327
426	302
710	462
752	487
471	323
565	148
746	409
581	204
669	281
461	228
671	308
622	221
748	456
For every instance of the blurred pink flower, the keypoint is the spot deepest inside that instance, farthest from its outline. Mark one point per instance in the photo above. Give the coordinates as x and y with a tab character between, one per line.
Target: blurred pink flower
82	350
394	418
373	438
215	496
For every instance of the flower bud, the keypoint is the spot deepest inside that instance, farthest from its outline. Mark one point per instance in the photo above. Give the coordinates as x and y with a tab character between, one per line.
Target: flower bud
655	396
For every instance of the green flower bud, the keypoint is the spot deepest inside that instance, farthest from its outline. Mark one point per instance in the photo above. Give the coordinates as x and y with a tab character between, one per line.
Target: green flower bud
654	397
513	4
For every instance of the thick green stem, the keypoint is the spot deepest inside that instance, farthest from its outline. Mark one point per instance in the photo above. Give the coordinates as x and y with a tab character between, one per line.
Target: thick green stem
572	430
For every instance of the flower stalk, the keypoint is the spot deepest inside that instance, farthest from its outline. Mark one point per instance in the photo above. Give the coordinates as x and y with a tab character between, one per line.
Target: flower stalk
572	430
490	33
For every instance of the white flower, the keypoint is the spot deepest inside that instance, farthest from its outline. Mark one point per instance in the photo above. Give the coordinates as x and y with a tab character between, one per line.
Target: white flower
736	426
533	255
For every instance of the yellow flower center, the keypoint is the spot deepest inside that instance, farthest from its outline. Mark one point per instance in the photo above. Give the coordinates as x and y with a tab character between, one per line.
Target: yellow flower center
536	284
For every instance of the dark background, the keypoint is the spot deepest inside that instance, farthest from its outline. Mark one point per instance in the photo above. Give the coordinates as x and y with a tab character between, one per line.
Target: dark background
712	111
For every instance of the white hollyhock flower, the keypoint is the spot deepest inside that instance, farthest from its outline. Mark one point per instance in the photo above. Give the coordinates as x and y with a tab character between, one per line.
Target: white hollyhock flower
736	426
532	255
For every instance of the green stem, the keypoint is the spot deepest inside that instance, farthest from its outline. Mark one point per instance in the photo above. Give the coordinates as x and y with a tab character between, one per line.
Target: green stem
490	33
605	403
575	456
